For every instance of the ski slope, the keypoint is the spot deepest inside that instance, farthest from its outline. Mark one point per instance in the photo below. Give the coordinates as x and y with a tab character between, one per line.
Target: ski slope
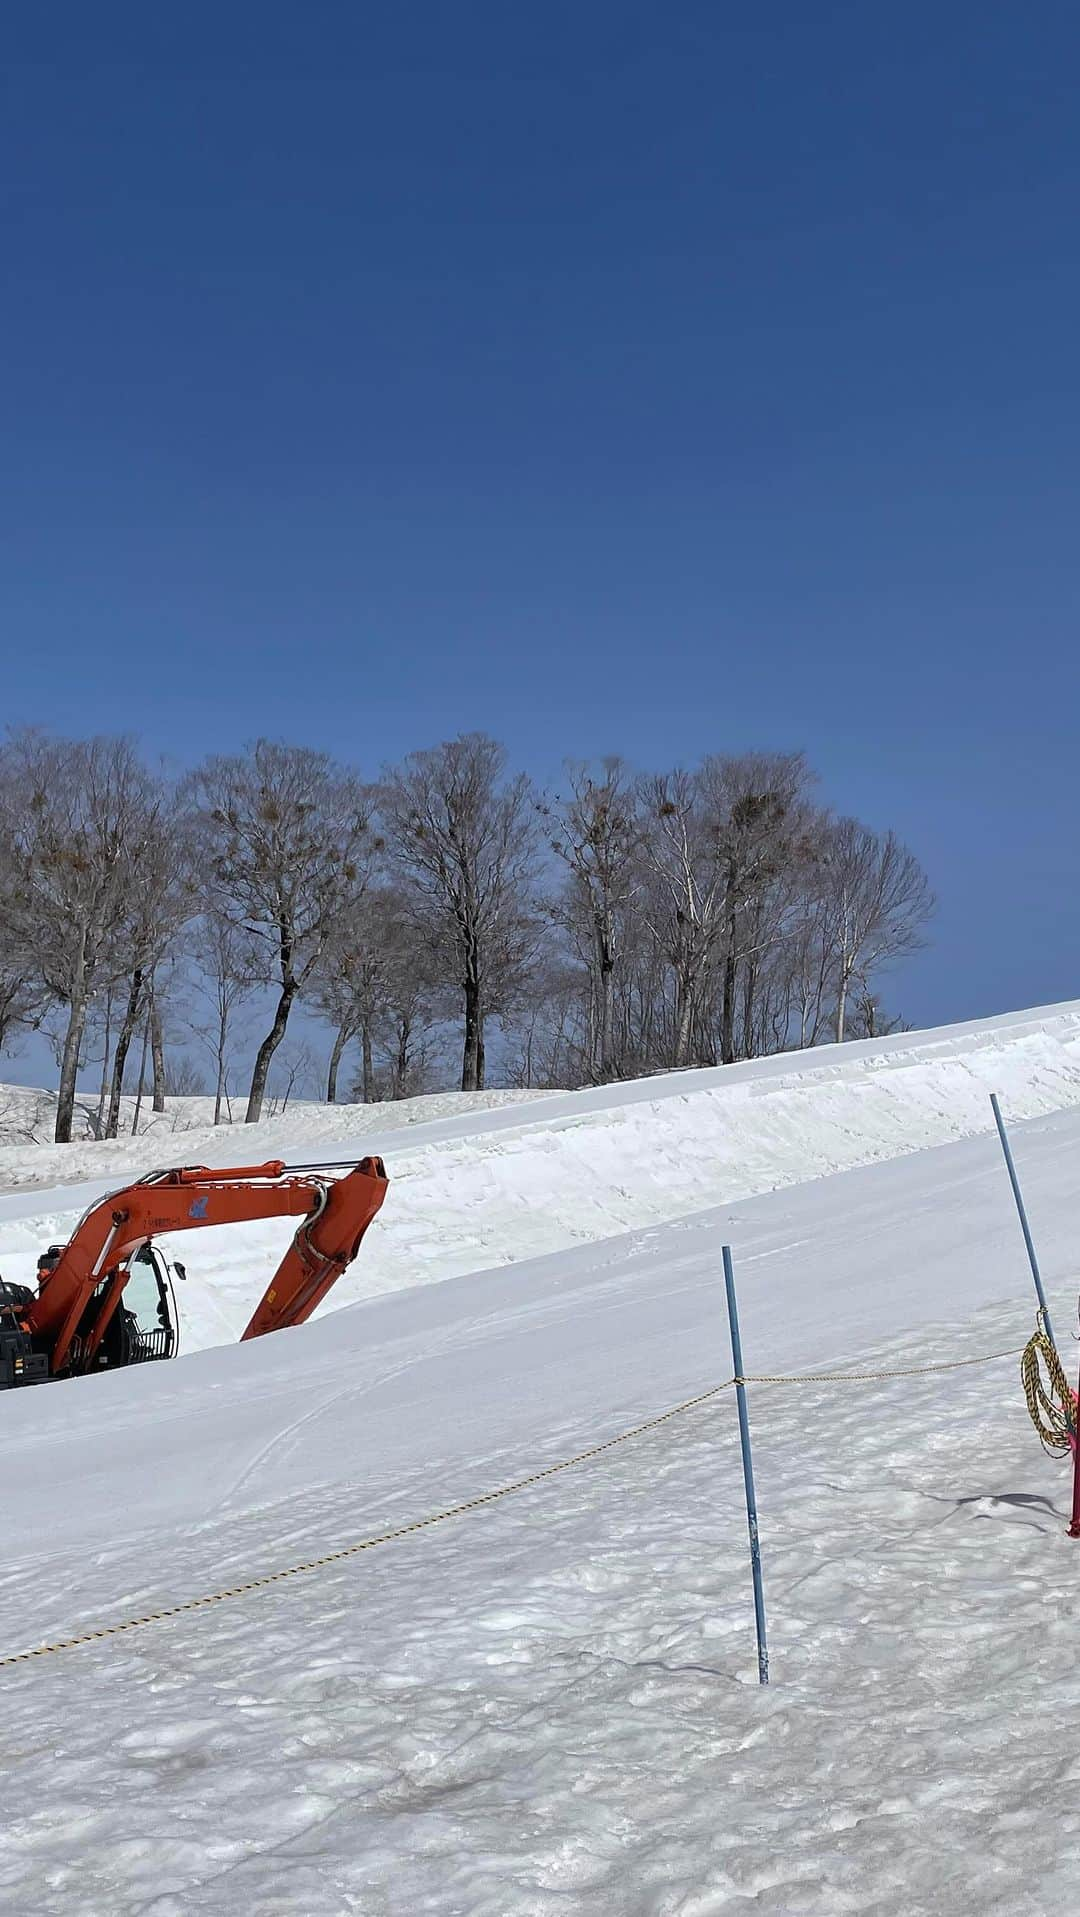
550	1704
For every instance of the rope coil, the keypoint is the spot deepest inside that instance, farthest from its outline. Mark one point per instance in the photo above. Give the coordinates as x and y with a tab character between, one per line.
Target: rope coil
1051	1403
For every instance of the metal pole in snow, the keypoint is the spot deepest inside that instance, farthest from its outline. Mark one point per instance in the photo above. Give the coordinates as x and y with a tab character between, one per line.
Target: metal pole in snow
1024	1226
748	1467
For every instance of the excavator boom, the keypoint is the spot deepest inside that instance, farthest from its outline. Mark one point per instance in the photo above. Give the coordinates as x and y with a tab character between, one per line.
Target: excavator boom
80	1286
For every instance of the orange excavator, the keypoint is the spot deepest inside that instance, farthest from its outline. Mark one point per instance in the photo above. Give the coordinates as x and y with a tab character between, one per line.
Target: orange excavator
106	1298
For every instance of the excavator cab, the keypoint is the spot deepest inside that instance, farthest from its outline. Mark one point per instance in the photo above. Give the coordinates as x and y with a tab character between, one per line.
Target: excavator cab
146	1325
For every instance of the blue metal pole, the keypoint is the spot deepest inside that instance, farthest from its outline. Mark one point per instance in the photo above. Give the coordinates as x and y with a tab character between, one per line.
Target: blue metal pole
1024	1226
748	1467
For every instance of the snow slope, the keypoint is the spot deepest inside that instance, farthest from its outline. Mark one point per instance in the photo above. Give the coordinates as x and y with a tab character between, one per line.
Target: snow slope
487	1187
550	1705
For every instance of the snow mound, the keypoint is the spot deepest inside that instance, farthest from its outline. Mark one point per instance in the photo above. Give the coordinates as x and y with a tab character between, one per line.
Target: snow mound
486	1185
29	1158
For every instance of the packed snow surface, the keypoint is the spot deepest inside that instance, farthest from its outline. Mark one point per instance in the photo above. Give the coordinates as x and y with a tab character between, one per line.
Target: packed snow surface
550	1704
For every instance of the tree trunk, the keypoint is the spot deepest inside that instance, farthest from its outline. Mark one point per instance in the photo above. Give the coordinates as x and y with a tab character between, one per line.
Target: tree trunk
103	1089
727	1005
592	1029
749	994
401	1069
841	1006
727	1000
266	1052
367	1066
123	1043
219	1088
470	1060
157	1053
142	1079
607	1007
845	965
69	1067
341	1040
683	1022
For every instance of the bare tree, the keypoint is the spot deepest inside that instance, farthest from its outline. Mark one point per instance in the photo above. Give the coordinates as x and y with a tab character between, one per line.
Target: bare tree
225	976
348	987
158	898
693	916
22	1002
22	994
409	1022
729	937
184	1079
687	902
288	840
294	1072
74	811
867	1017
755	816
23	998
342	1010
553	1044
879	901
378	982
411	993
597	832
465	836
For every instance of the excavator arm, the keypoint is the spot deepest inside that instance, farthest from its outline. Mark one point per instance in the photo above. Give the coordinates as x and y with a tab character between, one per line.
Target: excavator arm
79	1295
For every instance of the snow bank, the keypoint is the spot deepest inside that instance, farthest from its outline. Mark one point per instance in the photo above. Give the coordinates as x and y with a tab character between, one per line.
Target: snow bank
184	1133
485	1185
550	1705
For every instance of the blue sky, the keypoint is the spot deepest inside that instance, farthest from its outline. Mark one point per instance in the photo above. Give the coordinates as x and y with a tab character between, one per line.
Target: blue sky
610	377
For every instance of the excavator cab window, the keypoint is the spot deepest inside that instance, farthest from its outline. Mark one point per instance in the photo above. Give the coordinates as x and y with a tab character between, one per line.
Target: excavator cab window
147	1312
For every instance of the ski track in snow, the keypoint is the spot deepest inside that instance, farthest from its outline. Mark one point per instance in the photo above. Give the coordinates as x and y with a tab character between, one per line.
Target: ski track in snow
551	1704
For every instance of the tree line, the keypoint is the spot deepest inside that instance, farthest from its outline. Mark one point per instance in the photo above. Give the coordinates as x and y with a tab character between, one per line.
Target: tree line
621	924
